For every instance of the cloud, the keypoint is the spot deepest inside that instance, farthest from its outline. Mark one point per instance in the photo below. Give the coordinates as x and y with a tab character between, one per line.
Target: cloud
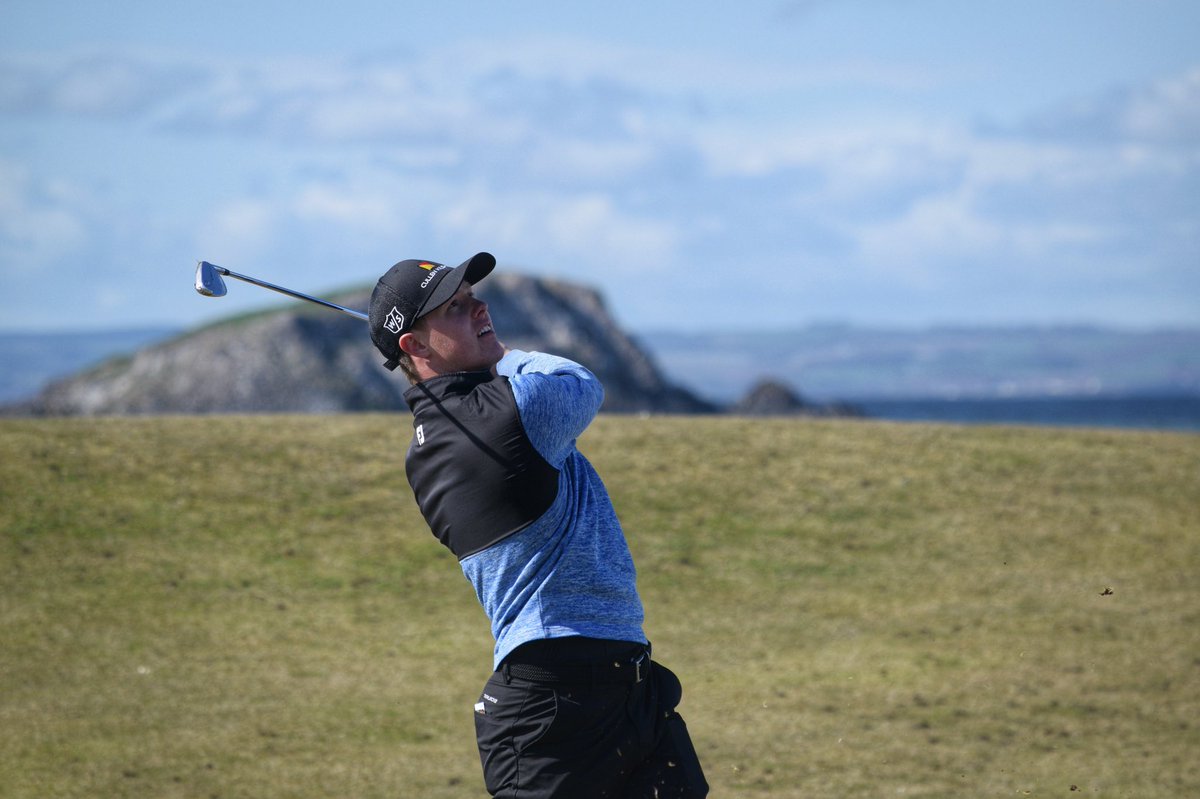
508	90
242	229
794	10
99	84
550	228
953	228
370	209
41	220
539	228
1165	112
608	163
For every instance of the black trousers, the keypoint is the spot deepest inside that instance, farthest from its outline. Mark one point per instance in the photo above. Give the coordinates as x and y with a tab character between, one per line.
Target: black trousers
577	718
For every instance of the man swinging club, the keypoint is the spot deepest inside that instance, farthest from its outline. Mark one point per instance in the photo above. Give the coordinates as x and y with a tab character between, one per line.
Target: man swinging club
575	707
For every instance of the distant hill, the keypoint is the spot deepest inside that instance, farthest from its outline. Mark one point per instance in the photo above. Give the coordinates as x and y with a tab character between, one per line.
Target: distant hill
308	359
841	362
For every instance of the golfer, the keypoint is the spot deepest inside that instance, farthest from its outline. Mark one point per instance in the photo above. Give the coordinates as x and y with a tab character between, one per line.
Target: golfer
575	707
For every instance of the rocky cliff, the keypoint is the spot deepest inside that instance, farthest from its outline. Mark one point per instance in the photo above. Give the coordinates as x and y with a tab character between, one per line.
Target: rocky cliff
308	359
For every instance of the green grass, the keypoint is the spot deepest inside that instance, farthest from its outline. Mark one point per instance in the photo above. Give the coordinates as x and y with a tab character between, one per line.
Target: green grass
252	607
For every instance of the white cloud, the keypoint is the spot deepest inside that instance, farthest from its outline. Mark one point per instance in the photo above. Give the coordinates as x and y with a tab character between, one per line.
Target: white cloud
96	84
241	229
1168	111
370	209
591	161
41	220
1163	112
506	88
604	160
552	229
949	231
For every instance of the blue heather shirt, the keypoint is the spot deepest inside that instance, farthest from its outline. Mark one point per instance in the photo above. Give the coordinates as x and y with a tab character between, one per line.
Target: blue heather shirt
569	572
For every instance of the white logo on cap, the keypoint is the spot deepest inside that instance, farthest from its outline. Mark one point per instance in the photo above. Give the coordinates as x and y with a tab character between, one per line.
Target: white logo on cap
394	321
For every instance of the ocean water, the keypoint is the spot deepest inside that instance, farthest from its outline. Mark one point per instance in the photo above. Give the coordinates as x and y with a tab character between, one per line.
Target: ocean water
1157	412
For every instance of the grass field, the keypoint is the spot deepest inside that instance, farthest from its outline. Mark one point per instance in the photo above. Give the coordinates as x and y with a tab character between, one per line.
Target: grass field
250	607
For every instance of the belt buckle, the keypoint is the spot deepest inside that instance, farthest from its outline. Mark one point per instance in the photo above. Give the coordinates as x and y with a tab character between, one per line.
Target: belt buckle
641	667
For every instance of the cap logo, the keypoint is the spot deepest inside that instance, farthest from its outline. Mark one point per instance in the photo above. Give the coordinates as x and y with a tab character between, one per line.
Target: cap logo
394	321
435	268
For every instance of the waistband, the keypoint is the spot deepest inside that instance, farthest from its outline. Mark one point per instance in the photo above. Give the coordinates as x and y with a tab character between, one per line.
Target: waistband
578	660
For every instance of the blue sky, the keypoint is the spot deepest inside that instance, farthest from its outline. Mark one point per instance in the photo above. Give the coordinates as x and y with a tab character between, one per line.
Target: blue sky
705	165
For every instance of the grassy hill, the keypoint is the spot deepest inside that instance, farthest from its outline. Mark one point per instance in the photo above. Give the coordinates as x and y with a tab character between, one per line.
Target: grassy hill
250	607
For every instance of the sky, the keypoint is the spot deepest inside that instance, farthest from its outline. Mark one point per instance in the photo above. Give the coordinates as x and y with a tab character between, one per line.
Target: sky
705	165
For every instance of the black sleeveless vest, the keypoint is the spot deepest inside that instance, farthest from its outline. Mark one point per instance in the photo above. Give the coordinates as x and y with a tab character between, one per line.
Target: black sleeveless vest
476	476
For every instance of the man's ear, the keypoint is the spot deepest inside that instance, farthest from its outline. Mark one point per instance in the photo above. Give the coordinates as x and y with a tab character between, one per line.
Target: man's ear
414	344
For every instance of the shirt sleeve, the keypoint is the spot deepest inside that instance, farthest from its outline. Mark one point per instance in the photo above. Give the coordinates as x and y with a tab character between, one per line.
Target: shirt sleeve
556	398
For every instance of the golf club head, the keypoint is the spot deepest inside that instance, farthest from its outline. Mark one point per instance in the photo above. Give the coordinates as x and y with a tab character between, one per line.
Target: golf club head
209	281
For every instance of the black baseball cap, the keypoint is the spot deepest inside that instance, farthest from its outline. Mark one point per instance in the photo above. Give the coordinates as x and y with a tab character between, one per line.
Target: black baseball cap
413	288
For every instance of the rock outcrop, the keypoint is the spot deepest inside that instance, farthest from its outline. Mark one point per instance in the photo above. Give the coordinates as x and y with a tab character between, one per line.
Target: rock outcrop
773	398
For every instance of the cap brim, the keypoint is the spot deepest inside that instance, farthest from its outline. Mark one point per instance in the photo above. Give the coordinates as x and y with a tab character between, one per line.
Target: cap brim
473	270
478	266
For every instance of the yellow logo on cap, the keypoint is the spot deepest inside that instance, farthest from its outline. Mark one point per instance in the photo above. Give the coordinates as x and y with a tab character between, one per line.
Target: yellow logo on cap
426	265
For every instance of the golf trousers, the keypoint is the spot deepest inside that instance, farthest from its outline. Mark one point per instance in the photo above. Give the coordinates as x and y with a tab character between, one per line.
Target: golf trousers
583	718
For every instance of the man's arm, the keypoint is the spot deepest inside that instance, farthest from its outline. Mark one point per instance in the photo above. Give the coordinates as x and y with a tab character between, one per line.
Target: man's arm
556	397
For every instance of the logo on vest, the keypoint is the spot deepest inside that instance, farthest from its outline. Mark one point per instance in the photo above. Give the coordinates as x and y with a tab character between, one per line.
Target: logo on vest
420	434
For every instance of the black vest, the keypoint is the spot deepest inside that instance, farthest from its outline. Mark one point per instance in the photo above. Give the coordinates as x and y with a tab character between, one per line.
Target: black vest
475	474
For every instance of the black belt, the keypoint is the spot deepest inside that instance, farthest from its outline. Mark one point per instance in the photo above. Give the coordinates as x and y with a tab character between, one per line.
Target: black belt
618	671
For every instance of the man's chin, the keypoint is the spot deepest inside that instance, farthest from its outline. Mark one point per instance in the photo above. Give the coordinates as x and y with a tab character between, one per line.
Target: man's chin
495	348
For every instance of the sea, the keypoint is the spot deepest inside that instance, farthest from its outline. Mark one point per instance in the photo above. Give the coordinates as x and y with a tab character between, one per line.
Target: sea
1143	412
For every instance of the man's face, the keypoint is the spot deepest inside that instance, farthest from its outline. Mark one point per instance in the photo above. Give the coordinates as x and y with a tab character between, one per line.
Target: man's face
459	334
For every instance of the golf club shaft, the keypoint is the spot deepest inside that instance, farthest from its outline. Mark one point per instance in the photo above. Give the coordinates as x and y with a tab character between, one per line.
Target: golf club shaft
298	295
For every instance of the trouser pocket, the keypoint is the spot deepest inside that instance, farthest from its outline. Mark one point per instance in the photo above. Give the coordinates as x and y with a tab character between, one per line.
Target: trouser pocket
557	740
509	719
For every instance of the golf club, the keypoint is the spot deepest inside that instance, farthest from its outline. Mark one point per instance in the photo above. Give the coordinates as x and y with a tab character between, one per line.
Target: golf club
210	283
